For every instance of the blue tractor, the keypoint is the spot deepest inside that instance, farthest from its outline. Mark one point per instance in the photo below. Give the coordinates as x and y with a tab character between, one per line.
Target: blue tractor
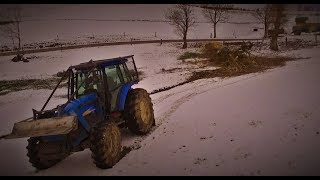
101	100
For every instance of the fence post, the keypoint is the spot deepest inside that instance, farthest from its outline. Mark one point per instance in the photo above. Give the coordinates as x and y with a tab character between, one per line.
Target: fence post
286	41
160	42
155	34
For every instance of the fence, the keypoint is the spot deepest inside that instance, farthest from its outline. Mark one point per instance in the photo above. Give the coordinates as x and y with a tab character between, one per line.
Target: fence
60	48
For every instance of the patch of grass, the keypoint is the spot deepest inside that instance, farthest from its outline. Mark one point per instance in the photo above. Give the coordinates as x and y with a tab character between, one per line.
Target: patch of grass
7	86
188	55
169	70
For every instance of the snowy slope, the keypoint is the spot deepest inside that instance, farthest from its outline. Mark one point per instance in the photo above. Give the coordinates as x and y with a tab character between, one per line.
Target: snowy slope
256	124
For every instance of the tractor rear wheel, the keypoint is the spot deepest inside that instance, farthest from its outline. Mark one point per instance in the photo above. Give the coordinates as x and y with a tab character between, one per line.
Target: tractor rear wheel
43	155
138	111
105	144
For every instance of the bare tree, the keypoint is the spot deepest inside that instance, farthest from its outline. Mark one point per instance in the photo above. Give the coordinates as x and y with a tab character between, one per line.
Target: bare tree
263	16
278	20
11	18
182	18
216	13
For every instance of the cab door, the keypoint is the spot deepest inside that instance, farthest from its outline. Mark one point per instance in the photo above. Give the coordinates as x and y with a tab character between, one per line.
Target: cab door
114	81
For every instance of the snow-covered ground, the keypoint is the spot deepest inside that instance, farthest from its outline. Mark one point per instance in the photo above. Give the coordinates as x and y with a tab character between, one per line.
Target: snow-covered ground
256	124
79	24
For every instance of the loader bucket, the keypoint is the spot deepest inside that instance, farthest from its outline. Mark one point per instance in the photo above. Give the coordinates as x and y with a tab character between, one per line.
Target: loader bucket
43	127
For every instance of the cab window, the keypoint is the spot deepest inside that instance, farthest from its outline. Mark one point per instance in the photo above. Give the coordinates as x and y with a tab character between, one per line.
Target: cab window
113	74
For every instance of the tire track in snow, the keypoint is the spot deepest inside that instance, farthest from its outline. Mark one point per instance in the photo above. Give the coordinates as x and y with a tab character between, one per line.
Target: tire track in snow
194	91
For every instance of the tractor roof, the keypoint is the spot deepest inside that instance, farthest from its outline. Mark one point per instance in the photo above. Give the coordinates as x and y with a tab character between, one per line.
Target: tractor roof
100	63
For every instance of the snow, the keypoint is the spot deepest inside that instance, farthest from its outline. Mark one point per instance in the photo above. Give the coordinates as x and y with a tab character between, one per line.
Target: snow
255	124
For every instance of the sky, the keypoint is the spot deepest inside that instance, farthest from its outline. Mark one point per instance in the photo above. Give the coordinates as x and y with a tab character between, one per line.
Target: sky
103	11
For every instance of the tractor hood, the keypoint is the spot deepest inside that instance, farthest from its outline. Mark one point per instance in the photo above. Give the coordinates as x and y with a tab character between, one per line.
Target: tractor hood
84	103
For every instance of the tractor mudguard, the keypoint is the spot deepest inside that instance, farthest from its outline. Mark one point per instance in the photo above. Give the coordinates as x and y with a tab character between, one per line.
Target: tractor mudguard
81	107
123	95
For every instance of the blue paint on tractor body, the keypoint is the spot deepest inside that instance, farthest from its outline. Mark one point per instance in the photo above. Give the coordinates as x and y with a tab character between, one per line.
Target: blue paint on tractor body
77	107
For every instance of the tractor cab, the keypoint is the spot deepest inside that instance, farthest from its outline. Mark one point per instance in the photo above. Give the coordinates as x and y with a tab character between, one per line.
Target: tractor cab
110	79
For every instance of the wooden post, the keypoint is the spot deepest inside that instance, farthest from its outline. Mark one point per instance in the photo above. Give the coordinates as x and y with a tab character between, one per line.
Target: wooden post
160	42
210	35
124	33
155	34
286	41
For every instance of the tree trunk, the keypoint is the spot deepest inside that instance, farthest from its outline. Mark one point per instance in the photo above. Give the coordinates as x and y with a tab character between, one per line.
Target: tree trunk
265	27
275	31
214	30
274	42
19	39
184	40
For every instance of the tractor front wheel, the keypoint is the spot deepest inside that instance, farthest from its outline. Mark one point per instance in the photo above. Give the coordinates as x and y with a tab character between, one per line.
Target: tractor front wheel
138	113
105	144
43	155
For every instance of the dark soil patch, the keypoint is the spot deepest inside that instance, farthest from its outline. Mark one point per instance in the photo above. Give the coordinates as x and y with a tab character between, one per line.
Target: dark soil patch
7	86
170	87
169	70
125	150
